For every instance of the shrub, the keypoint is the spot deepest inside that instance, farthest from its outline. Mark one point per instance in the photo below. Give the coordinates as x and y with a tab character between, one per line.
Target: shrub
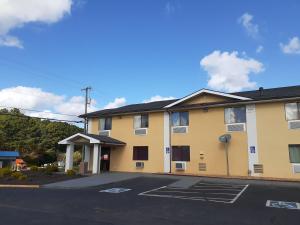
22	177
34	168
71	173
16	175
42	169
5	172
51	169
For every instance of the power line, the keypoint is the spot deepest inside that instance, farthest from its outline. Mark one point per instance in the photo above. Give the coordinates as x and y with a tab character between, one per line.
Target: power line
35	110
42	118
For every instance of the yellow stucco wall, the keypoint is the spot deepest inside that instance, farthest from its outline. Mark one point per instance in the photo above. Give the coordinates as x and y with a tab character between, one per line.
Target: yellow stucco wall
202	137
122	129
273	140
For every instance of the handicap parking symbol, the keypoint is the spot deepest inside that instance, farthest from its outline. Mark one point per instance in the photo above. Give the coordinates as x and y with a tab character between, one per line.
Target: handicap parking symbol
283	205
115	190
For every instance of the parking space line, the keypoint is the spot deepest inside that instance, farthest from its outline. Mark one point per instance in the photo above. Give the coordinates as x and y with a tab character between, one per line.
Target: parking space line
238	185
239	194
155	189
218	193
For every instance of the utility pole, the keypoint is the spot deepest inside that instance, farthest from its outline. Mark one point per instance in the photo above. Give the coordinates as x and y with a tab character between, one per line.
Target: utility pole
87	102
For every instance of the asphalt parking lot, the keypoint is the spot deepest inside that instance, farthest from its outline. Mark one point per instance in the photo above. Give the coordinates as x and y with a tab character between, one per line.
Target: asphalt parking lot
141	203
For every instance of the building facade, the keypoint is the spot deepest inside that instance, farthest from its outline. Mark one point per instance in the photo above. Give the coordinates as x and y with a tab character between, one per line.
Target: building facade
181	136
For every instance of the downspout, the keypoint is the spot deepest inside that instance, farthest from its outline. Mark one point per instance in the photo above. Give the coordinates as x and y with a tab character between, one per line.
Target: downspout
170	138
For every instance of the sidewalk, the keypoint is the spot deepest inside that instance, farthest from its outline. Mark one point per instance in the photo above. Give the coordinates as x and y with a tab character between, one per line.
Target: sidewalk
95	180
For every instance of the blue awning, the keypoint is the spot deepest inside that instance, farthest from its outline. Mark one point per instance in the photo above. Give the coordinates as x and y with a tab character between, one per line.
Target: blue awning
9	154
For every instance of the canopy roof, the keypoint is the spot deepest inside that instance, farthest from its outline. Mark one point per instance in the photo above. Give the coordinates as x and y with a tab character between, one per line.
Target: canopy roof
80	138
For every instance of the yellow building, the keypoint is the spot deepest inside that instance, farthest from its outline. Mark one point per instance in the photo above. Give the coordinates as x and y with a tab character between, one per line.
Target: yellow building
182	136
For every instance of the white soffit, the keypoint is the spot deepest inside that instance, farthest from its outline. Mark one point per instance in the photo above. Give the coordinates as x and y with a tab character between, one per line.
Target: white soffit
205	91
66	141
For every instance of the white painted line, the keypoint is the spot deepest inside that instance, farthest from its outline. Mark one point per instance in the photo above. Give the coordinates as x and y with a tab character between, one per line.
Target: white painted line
229	199
239	194
172	196
221	186
155	189
220	194
187	192
239	185
215	189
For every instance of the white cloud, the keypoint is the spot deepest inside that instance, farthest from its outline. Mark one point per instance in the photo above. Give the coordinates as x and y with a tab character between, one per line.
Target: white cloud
230	72
259	49
247	22
47	102
16	13
10	41
118	102
157	98
170	8
292	47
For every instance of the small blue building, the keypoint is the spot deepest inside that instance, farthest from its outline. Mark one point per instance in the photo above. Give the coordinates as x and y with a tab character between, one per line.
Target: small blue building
8	158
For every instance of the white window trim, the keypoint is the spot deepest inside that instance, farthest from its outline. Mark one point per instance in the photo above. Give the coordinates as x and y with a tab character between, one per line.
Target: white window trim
187	129
228	124
134	129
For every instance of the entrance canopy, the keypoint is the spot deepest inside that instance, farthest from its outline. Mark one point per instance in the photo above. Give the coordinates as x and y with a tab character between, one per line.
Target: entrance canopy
92	150
80	138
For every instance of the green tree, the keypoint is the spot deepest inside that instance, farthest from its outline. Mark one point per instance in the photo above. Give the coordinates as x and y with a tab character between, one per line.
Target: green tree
37	140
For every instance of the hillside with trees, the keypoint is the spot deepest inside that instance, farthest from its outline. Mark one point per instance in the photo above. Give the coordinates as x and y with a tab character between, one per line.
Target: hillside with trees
35	139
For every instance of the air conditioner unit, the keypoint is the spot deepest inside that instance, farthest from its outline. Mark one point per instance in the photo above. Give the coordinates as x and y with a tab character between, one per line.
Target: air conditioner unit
180	166
139	165
140	131
104	132
179	130
294	124
296	168
236	127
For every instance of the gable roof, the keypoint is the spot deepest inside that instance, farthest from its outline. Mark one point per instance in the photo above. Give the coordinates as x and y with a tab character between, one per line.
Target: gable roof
143	107
93	139
236	97
206	91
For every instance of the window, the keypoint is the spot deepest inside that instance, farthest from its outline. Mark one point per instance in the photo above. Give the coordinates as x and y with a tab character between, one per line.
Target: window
180	119
294	151
141	121
105	123
140	152
180	153
235	115
292	111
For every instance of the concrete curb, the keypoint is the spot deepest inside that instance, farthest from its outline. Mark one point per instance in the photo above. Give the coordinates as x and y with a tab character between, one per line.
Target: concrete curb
19	186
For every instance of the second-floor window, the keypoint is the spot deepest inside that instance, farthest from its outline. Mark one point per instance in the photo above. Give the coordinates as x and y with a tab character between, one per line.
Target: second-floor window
105	123
141	121
180	119
292	111
235	115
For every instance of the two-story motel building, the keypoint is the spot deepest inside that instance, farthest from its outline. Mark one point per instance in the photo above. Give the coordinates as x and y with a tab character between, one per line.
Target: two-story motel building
181	136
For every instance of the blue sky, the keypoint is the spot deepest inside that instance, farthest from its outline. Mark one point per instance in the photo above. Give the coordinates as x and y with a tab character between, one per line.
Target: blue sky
137	49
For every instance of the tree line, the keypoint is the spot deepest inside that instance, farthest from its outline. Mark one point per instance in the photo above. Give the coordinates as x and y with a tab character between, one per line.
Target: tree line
35	139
